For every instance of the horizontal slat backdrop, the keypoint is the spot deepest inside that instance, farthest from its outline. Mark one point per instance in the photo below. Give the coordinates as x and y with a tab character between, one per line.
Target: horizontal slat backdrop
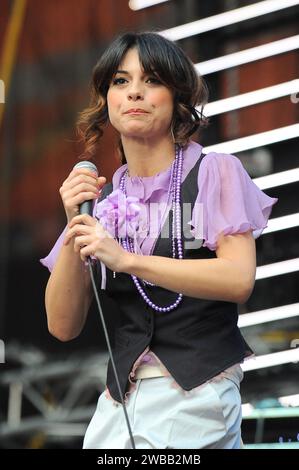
256	75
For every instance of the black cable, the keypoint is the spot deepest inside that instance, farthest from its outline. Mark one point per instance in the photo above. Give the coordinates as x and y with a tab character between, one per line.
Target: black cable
110	351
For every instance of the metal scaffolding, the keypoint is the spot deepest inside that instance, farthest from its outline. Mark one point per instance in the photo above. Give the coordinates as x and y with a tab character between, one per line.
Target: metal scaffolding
54	397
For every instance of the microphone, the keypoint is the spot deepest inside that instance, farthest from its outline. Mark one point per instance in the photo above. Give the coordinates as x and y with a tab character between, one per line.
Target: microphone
86	206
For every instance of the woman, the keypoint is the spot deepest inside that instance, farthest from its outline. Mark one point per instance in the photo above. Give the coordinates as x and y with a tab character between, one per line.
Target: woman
178	349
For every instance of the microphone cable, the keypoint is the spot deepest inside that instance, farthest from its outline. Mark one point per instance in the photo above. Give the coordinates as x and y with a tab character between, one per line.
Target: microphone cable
86	208
110	351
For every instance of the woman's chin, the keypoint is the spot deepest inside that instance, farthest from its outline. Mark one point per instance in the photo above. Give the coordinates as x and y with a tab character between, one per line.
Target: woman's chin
137	134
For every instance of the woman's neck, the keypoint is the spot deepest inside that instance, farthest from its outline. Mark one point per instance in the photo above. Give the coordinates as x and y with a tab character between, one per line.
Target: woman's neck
146	157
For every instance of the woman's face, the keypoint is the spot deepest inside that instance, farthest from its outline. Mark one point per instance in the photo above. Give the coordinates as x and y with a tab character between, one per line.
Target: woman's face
139	105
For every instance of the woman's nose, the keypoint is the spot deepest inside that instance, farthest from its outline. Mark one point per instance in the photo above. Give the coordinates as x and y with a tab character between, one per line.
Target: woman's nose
135	94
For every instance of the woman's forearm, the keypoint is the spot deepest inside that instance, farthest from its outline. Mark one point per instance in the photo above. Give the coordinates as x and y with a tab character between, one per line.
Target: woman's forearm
68	295
214	279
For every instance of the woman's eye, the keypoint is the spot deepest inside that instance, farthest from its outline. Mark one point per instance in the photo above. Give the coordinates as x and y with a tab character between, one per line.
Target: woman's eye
118	81
154	80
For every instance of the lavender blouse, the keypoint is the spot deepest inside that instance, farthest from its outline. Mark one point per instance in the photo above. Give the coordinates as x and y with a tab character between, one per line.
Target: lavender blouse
230	202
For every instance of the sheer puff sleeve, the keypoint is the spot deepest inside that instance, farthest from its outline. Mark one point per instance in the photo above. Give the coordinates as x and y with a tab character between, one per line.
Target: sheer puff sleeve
51	258
229	200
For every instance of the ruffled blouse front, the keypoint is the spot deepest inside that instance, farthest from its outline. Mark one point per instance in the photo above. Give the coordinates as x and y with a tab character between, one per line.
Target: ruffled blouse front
153	193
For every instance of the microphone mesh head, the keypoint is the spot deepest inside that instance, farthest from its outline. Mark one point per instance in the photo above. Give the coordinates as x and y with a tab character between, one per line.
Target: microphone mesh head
88	165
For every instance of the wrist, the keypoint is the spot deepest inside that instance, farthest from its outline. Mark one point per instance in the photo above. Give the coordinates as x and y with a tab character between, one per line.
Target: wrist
128	263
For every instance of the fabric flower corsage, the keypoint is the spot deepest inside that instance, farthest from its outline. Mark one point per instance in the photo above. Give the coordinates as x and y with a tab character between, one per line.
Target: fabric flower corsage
121	217
119	214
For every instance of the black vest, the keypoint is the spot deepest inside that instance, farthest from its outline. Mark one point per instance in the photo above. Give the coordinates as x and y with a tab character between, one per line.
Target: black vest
195	342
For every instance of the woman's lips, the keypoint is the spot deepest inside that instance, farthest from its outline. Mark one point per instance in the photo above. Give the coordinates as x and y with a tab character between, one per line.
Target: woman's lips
136	111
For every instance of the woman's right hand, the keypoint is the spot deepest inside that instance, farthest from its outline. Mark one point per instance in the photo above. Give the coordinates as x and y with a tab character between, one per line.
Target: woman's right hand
81	185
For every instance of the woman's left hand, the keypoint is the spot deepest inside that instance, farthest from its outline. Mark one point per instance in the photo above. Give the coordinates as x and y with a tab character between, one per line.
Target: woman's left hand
90	239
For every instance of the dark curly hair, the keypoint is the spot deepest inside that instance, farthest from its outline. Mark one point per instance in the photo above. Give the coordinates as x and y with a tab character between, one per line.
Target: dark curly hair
165	60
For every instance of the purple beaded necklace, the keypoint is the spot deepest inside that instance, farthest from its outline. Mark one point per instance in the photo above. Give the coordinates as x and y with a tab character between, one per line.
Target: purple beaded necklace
177	249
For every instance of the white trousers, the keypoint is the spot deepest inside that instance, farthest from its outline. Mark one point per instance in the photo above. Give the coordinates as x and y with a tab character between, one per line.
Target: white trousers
165	417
